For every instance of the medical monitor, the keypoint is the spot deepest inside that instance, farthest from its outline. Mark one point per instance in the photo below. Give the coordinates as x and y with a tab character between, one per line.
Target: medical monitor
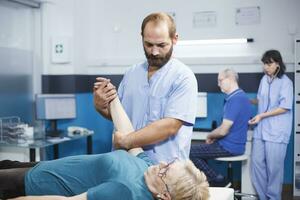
201	105
55	106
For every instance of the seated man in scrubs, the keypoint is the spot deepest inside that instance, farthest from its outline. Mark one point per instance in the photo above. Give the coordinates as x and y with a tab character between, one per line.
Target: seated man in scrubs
230	137
115	175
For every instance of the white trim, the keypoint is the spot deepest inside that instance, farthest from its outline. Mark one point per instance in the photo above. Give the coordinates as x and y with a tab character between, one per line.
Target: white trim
242	64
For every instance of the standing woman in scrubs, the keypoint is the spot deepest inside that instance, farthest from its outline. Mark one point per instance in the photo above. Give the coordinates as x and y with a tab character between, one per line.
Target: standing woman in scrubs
274	126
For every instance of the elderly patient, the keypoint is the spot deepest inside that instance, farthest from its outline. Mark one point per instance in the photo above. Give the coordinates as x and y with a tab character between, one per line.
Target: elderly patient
115	175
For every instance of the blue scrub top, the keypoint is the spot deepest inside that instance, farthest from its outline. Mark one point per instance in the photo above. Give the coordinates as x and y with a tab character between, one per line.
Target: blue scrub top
272	95
237	109
170	92
115	175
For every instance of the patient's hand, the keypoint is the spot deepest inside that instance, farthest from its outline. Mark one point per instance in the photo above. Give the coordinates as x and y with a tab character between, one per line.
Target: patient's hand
120	140
104	93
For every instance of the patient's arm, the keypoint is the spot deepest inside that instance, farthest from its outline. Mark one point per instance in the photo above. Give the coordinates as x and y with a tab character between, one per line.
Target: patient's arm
122	122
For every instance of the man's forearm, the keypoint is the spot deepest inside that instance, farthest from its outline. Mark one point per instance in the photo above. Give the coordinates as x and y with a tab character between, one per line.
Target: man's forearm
222	130
153	133
217	133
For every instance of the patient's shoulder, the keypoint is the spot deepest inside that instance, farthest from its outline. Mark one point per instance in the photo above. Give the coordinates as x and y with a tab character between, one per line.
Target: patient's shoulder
110	190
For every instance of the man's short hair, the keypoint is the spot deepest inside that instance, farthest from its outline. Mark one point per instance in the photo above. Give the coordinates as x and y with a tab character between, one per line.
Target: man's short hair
230	73
160	17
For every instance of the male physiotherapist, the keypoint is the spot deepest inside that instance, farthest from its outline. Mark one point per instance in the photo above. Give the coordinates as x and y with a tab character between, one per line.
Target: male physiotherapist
159	95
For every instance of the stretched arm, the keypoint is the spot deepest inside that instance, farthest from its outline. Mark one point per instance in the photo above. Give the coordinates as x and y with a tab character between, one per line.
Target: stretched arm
122	124
219	132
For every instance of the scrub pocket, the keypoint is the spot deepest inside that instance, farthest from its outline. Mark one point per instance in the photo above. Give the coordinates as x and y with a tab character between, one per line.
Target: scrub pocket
156	108
274	129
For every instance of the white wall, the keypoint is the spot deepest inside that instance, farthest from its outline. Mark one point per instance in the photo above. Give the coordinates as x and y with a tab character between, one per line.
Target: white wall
105	35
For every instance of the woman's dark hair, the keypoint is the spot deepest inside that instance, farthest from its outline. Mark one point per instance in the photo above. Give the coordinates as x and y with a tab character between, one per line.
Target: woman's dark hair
274	56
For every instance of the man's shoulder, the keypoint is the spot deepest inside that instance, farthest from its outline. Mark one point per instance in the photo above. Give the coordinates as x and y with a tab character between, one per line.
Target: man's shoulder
240	100
180	71
180	65
241	94
141	66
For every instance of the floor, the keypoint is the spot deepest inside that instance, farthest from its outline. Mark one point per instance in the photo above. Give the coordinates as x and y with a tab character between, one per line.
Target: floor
287	192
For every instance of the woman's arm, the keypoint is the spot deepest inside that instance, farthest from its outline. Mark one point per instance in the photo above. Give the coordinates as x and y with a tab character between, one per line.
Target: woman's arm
270	113
122	123
254	101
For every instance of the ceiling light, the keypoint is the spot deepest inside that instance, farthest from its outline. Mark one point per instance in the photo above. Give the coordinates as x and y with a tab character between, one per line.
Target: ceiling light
214	41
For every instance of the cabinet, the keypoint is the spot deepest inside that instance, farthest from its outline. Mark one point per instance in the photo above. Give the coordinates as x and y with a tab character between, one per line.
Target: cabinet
297	120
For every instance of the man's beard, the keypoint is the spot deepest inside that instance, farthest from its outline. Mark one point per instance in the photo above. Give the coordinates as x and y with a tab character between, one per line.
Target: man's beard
158	61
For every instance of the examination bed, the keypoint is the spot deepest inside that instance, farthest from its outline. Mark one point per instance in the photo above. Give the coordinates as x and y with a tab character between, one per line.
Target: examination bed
221	193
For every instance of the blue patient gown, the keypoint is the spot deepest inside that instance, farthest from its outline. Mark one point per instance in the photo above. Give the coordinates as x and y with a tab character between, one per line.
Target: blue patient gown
114	175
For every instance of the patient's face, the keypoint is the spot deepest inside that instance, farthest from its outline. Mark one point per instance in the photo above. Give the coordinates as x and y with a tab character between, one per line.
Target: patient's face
158	176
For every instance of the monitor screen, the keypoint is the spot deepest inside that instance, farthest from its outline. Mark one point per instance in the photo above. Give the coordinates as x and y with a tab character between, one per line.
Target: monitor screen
55	106
202	105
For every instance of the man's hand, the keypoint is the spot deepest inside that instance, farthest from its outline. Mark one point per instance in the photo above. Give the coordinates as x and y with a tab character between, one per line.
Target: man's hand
104	93
209	139
121	140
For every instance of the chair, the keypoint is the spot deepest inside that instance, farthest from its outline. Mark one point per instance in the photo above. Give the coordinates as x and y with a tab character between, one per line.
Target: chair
231	159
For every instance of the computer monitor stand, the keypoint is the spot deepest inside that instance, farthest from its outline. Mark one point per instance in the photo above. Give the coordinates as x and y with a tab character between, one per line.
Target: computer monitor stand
54	132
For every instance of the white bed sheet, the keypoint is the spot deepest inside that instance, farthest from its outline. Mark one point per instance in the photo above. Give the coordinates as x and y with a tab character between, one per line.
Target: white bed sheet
221	193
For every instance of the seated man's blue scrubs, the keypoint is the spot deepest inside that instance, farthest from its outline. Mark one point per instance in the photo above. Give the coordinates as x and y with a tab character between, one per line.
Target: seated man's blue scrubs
114	175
